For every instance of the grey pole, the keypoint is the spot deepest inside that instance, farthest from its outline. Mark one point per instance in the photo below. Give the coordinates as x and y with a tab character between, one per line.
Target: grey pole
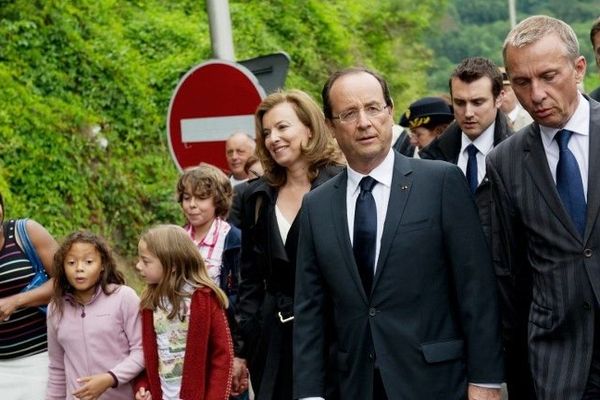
512	13
221	37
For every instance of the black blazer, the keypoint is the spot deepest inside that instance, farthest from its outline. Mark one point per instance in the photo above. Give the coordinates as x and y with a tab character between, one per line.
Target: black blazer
267	287
430	323
536	239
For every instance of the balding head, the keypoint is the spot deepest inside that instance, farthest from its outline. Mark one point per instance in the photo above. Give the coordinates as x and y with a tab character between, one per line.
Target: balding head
238	148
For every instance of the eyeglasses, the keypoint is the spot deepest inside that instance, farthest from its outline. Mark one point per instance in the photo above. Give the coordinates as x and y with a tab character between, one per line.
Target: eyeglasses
350	116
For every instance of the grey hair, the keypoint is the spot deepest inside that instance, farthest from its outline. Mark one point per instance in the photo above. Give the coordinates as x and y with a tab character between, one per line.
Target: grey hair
534	28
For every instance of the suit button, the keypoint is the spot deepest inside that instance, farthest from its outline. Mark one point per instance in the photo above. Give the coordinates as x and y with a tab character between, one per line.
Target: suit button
372	356
587	253
587	306
372	312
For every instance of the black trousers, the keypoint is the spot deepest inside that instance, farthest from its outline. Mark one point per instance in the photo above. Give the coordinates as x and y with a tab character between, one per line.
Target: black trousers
517	373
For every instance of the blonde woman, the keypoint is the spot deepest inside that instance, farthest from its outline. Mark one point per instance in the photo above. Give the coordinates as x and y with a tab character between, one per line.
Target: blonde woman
298	154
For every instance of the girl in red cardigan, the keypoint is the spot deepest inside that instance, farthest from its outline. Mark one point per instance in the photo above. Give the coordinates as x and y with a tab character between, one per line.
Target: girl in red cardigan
186	340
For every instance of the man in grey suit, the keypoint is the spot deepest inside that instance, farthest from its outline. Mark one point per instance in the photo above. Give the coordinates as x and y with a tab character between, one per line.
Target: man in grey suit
391	250
546	191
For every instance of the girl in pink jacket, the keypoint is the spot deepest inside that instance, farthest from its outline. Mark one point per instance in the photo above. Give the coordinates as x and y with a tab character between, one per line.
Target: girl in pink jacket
94	325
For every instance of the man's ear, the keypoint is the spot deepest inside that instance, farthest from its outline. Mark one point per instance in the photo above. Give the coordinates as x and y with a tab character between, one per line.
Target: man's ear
499	98
580	66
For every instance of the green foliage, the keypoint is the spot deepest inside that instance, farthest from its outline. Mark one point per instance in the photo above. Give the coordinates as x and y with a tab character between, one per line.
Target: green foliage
481	11
76	73
321	37
66	70
479	27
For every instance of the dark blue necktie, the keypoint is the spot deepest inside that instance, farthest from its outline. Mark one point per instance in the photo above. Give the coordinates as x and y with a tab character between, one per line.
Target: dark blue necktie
568	181
472	167
365	232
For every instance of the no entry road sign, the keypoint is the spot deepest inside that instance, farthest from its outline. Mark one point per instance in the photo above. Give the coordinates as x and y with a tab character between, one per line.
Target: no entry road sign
212	101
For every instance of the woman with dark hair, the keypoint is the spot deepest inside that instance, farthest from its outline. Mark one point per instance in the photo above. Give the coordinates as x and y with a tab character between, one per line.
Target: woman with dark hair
23	341
298	153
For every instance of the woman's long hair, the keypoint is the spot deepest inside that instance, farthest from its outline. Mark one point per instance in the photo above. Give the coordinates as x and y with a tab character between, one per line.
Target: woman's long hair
181	263
321	149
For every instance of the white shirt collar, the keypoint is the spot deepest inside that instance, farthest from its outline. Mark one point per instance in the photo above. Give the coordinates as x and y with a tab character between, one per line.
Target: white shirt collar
578	123
484	142
382	173
512	115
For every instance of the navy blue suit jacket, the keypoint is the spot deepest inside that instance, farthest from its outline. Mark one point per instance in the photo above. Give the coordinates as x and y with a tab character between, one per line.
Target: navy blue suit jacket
431	322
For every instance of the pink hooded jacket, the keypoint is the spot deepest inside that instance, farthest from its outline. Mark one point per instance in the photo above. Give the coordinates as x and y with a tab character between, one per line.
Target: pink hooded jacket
104	335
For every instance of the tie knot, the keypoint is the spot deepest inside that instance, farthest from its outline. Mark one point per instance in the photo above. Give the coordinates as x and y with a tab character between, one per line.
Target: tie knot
562	138
472	150
367	183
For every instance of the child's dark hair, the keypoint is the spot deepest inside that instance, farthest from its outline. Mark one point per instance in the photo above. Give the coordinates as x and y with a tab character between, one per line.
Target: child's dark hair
109	275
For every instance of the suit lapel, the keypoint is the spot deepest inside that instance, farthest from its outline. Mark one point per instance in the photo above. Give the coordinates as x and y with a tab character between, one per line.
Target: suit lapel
536	164
340	220
399	192
593	192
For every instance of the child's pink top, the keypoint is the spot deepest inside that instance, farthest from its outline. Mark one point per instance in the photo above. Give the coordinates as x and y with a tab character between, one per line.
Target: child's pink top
104	335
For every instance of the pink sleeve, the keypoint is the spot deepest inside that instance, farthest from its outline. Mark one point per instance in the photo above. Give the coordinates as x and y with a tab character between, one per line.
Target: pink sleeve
133	364
57	385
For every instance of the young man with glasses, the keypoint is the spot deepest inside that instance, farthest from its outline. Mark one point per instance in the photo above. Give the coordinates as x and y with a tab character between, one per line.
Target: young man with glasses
411	322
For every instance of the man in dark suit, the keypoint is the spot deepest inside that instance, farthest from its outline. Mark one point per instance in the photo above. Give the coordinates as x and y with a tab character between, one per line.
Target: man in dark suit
479	126
476	89
546	190
412	321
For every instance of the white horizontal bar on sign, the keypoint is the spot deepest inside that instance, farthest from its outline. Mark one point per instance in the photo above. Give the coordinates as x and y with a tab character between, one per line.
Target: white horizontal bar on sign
214	129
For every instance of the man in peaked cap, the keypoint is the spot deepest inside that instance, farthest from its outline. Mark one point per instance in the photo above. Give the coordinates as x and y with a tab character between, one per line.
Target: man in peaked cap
426	118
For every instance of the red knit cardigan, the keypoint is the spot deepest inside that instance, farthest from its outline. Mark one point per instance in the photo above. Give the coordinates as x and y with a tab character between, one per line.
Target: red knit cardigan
208	360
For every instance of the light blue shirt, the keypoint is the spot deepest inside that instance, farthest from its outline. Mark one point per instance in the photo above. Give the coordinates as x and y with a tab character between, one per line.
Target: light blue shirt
484	144
579	144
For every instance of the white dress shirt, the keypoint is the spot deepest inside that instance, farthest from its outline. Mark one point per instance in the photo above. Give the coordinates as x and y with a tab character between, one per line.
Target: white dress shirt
579	144
235	181
381	194
484	144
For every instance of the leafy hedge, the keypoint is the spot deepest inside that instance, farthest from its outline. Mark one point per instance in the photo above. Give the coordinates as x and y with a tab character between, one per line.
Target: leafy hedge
479	27
74	74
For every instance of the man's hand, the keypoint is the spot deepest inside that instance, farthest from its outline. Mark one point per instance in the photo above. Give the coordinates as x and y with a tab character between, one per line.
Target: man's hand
93	386
143	394
481	393
239	382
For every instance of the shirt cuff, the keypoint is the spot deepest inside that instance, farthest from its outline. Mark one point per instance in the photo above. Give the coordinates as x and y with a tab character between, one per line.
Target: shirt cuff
488	385
116	381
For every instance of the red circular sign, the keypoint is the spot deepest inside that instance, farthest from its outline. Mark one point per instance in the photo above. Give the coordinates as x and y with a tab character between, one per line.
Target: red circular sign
212	101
